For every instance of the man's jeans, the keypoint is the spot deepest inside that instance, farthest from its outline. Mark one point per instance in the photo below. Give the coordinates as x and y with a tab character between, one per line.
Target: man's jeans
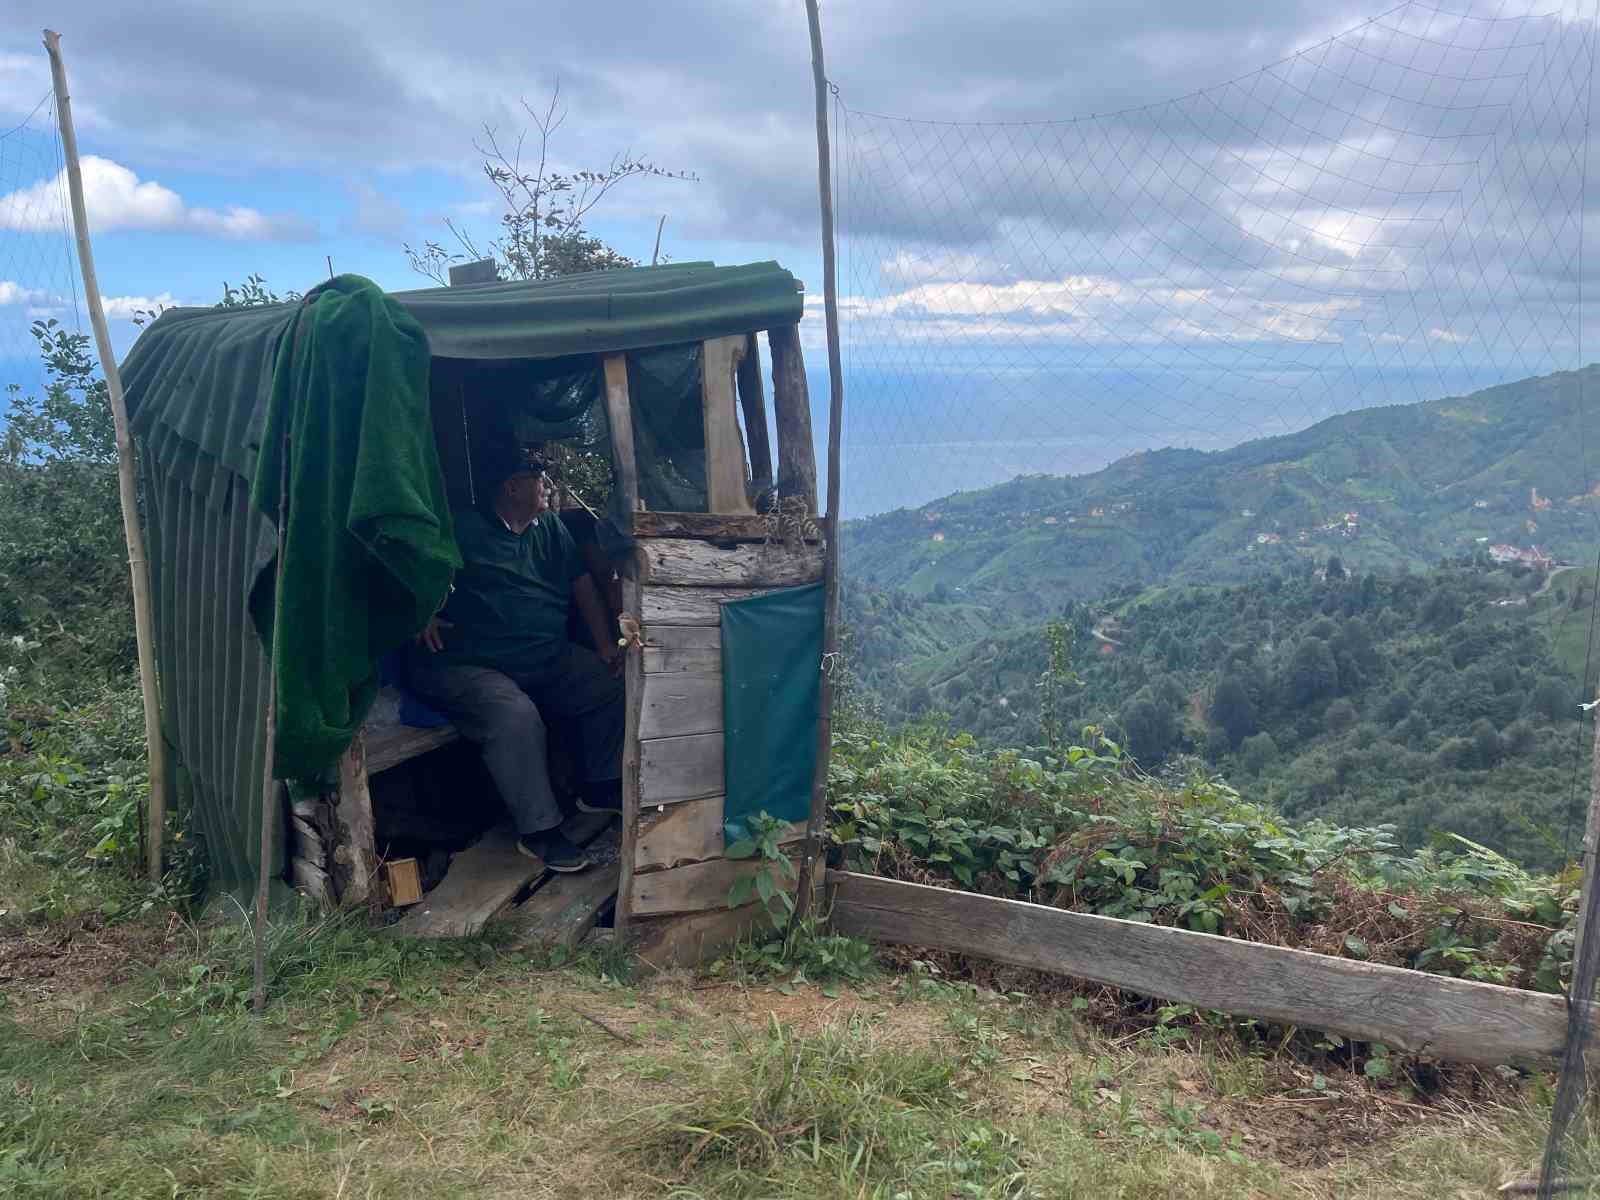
500	712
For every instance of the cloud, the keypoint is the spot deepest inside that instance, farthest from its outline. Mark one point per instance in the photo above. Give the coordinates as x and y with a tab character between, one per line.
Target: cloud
14	293
125	308
116	198
377	213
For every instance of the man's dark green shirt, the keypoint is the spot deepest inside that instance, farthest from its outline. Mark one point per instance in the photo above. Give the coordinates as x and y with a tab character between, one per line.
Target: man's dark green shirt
509	607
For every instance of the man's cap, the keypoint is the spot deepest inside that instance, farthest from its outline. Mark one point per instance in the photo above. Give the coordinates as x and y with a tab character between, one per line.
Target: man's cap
499	461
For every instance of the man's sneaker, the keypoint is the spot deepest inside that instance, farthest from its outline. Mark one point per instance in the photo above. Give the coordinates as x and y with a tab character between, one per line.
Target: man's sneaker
554	850
601	798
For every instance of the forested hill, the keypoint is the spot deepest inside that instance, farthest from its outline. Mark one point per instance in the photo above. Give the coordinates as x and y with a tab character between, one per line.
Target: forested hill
1443	700
1382	488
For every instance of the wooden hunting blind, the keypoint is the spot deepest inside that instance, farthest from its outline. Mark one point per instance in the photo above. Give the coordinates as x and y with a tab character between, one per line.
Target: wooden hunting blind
657	372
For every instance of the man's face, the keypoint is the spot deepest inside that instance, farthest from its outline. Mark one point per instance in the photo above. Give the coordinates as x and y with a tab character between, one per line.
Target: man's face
527	495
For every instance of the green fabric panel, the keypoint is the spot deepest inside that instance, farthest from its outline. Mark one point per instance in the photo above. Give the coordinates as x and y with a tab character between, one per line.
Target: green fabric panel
771	693
368	551
605	311
204	550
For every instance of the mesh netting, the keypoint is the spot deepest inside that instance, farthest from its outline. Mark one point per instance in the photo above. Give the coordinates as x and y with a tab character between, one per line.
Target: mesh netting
1388	216
38	274
1392	215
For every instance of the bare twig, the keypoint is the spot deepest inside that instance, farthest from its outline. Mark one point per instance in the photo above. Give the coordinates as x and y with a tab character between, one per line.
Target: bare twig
616	1033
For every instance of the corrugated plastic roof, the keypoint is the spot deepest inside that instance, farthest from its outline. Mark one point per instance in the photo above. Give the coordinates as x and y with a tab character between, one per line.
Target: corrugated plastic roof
198	378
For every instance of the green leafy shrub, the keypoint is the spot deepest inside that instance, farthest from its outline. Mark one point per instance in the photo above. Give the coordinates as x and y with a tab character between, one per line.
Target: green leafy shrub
1086	832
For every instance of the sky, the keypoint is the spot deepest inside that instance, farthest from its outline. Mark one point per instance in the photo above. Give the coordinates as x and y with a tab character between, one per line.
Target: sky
1104	227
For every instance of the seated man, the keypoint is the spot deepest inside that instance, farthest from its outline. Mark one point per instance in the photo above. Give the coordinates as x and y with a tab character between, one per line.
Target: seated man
497	660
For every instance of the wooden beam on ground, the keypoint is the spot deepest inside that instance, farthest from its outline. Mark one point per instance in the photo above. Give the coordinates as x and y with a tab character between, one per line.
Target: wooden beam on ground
727	483
753	402
688	562
713	527
1446	1018
791	413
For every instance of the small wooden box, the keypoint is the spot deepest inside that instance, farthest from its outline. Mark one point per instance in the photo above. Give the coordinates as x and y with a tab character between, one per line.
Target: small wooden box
405	881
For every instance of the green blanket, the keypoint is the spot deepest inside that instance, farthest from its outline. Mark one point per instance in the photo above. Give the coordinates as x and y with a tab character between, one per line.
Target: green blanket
368	550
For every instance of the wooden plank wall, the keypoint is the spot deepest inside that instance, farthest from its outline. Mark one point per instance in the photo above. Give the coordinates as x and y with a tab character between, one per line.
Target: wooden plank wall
678	867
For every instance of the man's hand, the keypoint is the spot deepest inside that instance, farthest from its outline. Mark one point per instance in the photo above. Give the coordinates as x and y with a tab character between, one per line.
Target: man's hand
433	636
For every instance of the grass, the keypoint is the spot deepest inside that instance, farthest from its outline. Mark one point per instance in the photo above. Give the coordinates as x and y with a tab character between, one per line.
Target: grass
392	1069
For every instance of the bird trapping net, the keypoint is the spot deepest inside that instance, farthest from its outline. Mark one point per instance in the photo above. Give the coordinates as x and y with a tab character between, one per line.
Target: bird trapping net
1390	215
1394	214
38	272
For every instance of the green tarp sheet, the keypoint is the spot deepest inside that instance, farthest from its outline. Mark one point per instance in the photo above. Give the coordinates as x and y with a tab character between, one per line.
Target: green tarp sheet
368	552
771	690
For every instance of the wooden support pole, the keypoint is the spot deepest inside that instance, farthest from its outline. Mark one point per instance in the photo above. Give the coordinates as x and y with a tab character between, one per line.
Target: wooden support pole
269	778
127	488
816	824
355	855
619	414
791	417
727	483
1578	1059
753	400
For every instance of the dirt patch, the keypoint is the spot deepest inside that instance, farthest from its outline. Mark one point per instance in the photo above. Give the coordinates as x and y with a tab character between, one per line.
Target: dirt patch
48	965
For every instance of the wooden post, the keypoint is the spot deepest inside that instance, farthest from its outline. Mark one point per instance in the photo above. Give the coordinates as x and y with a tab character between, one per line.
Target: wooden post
791	417
269	779
830	614
727	483
355	849
754	403
1572	1086
620	416
1591	846
138	566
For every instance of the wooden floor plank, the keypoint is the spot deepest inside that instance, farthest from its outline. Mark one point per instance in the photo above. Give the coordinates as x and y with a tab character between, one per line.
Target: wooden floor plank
565	908
484	879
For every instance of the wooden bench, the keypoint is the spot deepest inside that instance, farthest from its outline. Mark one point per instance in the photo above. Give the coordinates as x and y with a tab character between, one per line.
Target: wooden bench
332	854
390	745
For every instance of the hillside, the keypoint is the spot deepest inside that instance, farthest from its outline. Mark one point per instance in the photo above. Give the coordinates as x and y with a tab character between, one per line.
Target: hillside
1440	701
1366	554
1382	488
